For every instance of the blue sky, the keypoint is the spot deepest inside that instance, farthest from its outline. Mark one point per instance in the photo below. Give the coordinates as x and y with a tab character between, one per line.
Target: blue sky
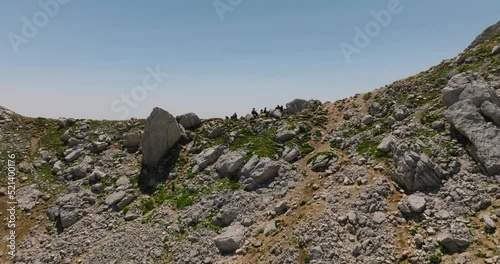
261	53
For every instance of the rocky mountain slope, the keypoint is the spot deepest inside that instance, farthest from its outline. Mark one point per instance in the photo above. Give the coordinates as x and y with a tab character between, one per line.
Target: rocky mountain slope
408	173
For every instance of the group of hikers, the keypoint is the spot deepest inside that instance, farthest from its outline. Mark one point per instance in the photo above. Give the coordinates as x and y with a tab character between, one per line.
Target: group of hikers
254	112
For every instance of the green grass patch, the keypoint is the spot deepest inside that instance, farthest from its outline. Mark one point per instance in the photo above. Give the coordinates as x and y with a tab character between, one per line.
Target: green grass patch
368	149
261	144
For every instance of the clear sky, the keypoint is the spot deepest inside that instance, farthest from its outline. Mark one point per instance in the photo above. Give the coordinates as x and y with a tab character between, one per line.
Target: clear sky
78	59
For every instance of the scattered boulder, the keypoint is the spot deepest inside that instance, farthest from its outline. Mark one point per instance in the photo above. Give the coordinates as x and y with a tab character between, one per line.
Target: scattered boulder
208	156
257	171
74	155
367	119
456	240
285	136
230	163
216	132
387	143
291	154
322	161
416	203
231	240
489	224
189	120
415	171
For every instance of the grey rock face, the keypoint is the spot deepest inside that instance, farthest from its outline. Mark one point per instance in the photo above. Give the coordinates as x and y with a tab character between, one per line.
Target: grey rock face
415	171
208	156
485	137
258	171
231	240
230	163
161	133
115	198
189	120
465	86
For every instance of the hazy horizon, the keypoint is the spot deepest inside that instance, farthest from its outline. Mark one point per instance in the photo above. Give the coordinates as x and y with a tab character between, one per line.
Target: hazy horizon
83	57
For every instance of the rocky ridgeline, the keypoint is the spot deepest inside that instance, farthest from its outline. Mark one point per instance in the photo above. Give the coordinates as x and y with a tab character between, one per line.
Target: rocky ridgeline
408	173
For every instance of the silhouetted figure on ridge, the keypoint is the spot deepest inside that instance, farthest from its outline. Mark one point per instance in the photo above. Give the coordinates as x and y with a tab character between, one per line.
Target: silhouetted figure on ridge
254	113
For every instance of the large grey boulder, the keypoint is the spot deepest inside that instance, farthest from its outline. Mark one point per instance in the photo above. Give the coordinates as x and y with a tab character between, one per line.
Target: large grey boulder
189	120
230	163
415	171
297	106
208	156
231	240
484	136
161	133
257	171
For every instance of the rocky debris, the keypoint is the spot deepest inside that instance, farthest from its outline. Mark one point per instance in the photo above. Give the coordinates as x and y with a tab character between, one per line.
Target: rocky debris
134	243
230	163
216	132
297	106
322	162
285	136
27	197
415	171
66	122
189	120
231	240
489	224
71	207
97	147
208	157
258	171
161	133
466	118
74	155
412	204
226	216
387	143
290	154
